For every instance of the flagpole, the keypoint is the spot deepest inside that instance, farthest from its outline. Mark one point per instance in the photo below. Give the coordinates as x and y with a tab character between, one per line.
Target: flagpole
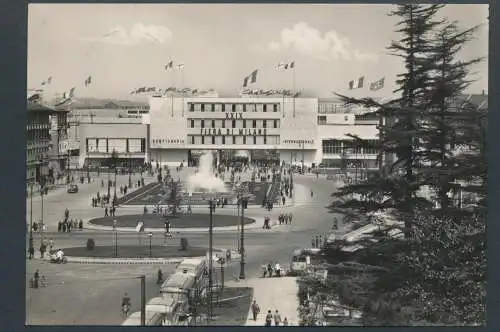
172	96
293	84
283	101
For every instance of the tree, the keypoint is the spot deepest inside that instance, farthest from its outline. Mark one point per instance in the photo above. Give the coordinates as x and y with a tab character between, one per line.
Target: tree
441	259
174	197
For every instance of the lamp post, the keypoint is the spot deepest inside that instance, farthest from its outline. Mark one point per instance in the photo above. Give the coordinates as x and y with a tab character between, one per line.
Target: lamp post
150	236
31	218
303	147
211	206
243	204
115	228
114	184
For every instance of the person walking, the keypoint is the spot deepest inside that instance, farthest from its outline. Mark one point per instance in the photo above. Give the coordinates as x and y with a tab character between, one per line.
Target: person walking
269	318
277	318
255	310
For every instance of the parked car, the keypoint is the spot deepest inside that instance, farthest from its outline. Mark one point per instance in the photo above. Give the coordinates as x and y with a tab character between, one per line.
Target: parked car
72	189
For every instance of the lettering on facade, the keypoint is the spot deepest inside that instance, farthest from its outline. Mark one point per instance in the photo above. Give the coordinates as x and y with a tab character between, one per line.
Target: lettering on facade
234	116
298	141
168	141
232	131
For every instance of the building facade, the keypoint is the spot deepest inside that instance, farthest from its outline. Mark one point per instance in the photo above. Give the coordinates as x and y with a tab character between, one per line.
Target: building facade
38	141
307	131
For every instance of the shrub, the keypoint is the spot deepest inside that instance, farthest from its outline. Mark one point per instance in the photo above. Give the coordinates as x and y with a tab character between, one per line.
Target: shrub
90	244
184	244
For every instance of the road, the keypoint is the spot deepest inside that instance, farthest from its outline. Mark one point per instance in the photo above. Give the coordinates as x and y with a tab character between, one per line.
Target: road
310	217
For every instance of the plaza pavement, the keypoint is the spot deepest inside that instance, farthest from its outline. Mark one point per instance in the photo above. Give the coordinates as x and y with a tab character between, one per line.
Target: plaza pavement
92	302
272	294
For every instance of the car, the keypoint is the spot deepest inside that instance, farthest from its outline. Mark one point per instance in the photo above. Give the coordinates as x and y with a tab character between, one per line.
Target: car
72	189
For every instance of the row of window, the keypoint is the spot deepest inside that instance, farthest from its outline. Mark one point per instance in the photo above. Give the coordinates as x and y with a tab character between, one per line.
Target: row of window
208	107
234	123
348	147
119	145
237	140
36	154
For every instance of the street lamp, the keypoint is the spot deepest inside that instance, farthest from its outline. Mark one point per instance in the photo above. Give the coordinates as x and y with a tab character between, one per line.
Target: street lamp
303	147
243	204
211	206
31	247
115	228
114	195
150	236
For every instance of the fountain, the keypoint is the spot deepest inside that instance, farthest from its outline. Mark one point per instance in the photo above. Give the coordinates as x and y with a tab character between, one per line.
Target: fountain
204	180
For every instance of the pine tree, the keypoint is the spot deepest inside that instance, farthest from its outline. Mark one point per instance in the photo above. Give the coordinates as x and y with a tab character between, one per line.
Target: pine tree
445	120
441	260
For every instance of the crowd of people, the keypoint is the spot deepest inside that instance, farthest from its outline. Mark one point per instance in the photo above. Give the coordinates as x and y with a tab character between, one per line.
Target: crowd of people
270	317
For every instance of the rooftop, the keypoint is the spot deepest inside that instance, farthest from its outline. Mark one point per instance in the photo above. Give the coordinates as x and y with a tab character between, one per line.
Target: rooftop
36	107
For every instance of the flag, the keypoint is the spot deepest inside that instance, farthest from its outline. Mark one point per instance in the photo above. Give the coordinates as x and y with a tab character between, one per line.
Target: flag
186	90
150	89
361	82
132	91
141	89
377	85
88	80
71	93
291	65
169	65
351	85
279	66
253	76
245	81
49	80
180	67
195	91
35	98
296	94
43	83
170	89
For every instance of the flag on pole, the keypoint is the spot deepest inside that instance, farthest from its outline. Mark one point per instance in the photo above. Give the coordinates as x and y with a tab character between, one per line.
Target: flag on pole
253	76
290	65
49	80
71	93
35	98
88	80
377	85
361	82
279	66
169	65
351	85
180	66
43	83
245	82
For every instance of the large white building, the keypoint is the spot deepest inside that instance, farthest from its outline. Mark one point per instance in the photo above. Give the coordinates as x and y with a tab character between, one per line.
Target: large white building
291	130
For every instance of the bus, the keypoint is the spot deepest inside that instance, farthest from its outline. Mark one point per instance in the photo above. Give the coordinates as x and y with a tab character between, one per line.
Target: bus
152	319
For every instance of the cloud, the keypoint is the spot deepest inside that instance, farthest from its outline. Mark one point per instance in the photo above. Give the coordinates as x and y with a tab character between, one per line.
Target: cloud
311	42
138	34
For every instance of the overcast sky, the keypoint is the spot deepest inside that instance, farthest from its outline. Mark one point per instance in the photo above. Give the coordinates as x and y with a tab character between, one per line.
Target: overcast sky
125	46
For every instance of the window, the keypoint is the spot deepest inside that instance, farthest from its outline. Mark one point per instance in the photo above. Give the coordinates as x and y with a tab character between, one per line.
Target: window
202	107
223	107
244	123
264	124
275	123
234	139
233	123
254	140
191	107
264	108
233	108
332	146
275	108
322	119
223	123
213	139
223	139
202	123
254	124
202	139
192	123
244	140
213	123
244	107
265	139
192	139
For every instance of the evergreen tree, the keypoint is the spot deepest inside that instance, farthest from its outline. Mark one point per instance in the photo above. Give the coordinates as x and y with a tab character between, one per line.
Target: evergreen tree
430	274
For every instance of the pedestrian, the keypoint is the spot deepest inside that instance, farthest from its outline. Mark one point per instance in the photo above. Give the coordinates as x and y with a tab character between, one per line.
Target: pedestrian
255	310
64	227
285	322
283	199
269	318
277	318
36	278
31	252
59	226
80	224
159	279
106	211
43	248
290	217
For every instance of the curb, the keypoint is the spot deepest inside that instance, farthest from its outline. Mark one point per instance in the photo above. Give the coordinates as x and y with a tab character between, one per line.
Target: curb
124	261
